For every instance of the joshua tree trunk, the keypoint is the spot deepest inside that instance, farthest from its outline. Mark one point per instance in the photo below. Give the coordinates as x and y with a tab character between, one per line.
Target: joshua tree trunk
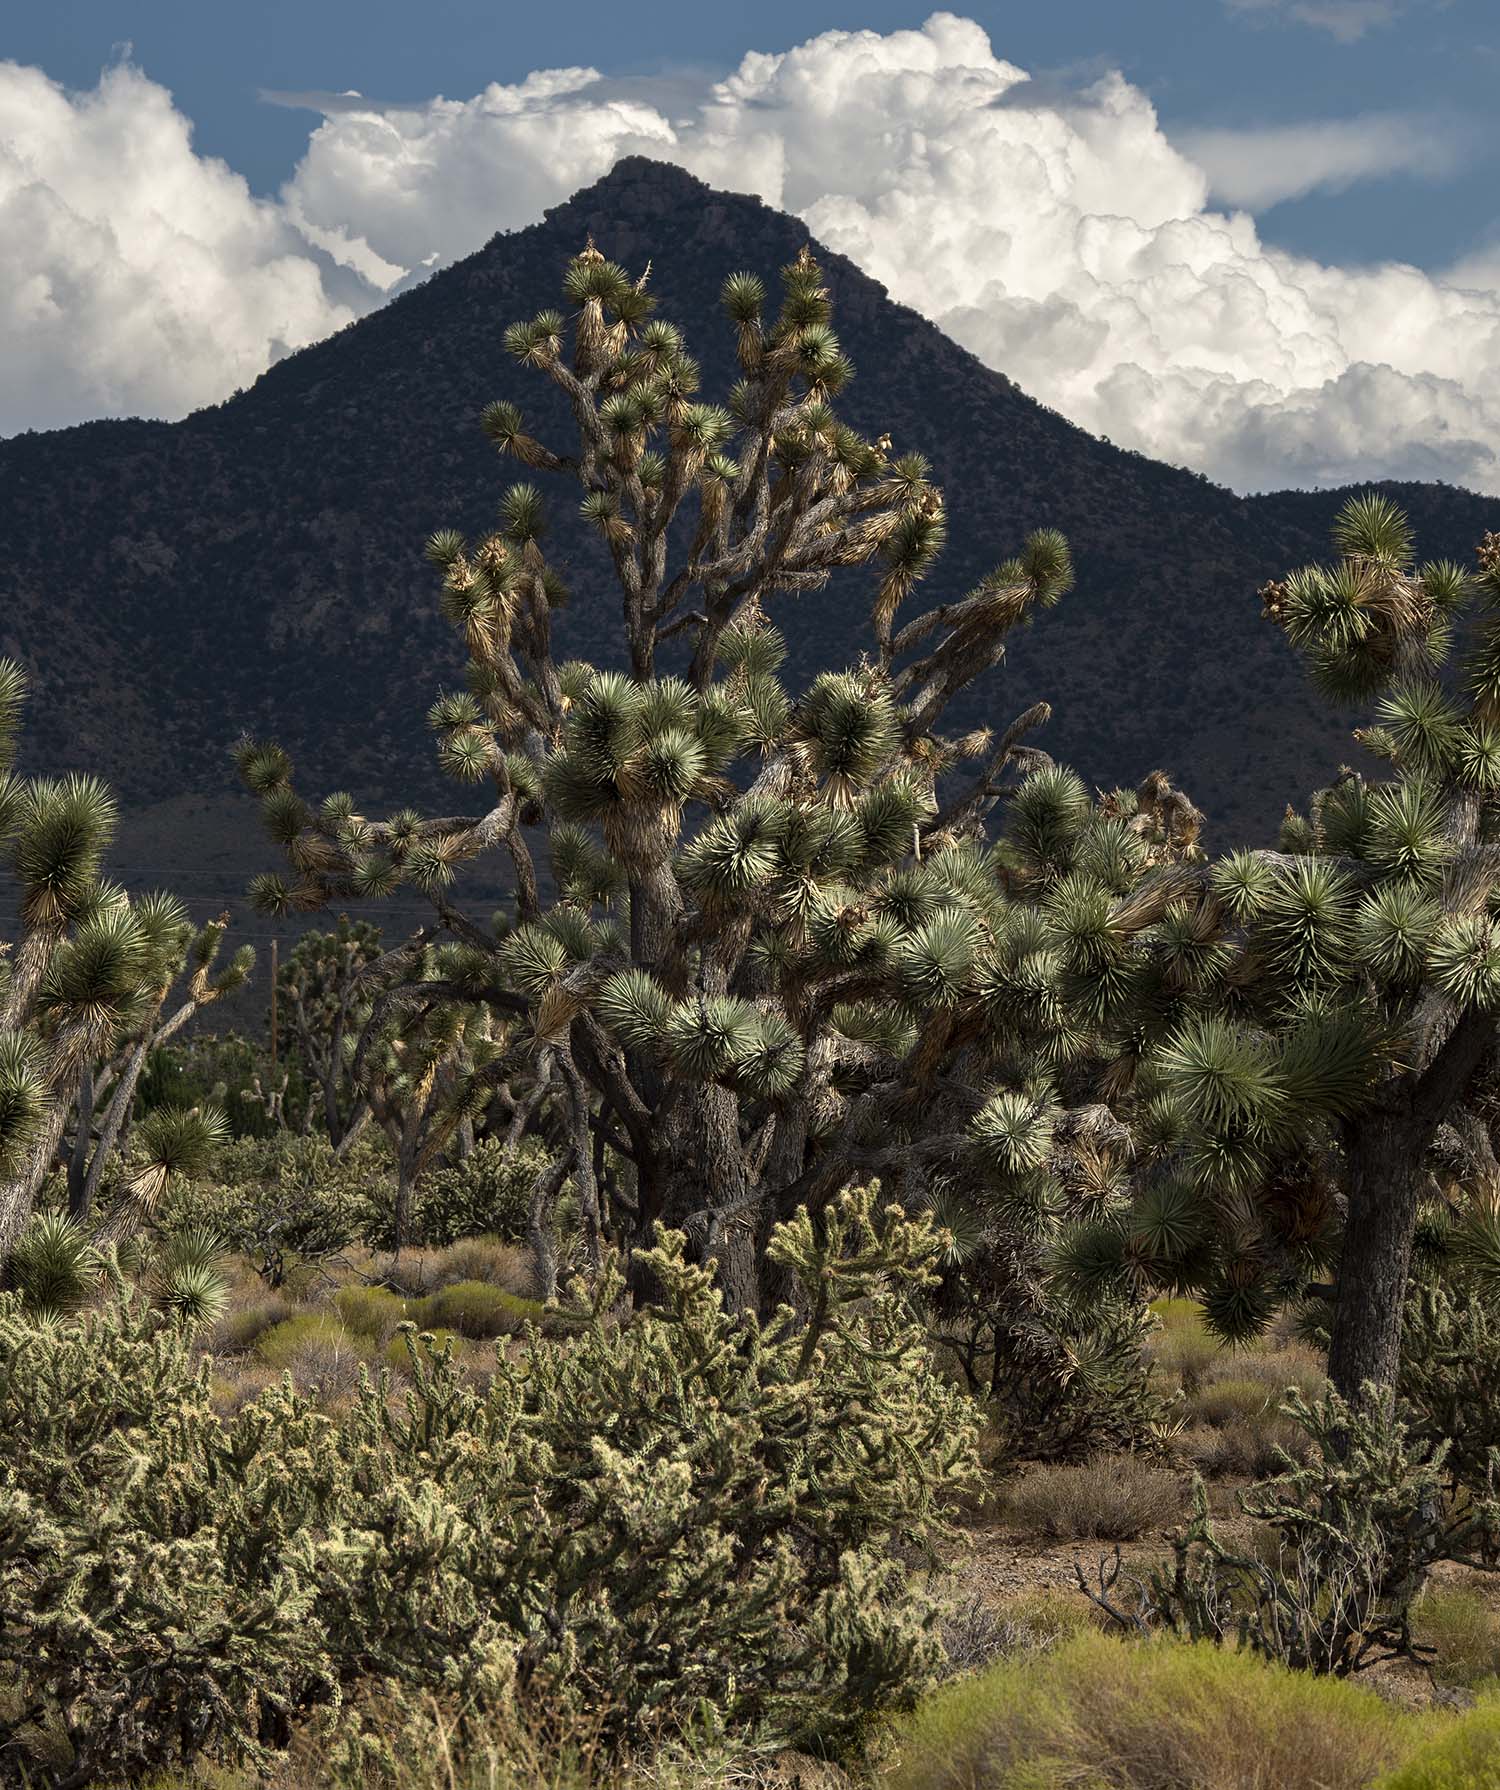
1385	1170
1386	1149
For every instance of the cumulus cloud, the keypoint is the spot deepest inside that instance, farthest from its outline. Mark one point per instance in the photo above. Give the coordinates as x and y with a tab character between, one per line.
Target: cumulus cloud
1347	20
1258	168
1061	236
137	276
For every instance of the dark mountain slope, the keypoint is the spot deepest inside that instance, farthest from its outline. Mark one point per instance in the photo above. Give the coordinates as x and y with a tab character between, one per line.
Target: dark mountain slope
259	565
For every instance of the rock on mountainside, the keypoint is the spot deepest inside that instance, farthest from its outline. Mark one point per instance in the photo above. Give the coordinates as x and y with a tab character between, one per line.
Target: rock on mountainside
259	565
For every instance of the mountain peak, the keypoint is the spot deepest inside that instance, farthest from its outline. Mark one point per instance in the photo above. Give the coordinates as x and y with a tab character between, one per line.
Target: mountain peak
259	565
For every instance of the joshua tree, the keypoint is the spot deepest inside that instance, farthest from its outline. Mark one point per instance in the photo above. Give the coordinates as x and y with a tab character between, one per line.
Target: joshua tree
1395	934
182	954
83	985
782	956
422	1060
803	981
1287	1040
325	1004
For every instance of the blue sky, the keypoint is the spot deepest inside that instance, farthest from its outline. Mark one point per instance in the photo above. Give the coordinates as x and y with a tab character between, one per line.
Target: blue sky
1203	62
1260	238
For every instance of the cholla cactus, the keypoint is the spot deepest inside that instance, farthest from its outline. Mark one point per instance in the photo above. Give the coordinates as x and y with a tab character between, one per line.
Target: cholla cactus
191	1598
82	991
778	955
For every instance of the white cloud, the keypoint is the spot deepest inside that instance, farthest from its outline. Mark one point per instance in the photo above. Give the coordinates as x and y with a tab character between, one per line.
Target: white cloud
137	275
1347	20
1062	237
1257	168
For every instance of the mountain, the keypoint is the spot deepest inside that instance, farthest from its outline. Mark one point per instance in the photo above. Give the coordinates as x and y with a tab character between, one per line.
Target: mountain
259	564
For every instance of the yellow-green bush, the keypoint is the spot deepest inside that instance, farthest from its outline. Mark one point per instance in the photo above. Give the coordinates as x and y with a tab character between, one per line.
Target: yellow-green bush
1465	1755
1113	1715
242	1325
474	1308
372	1312
1222	1401
283	1342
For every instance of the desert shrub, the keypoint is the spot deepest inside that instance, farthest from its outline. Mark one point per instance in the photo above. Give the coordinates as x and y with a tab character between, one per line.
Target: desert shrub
1246	1447
281	1345
474	1308
1094	1712
1181	1349
1115	1498
371	1312
1223	1401
245	1321
282	1202
675	1517
1463	1629
487	1194
978	1629
1465	1755
1361	1522
489	1259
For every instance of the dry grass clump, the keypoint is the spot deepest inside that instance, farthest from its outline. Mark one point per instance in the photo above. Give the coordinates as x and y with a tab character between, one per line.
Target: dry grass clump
490	1259
1236	1428
1157	1715
1245	1447
322	1357
1112	1498
979	1630
1464	1626
1182	1351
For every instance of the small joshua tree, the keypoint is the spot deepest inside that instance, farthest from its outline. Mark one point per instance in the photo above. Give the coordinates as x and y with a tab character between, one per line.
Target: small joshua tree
81	994
325	1004
778	955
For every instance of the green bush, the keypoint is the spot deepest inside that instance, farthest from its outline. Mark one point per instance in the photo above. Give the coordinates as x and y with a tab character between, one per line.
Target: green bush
672	1519
476	1309
280	1346
1464	1757
1097	1712
372	1312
